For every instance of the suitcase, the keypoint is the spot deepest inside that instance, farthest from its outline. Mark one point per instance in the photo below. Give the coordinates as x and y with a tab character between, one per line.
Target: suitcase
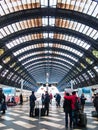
37	112
82	119
94	114
42	112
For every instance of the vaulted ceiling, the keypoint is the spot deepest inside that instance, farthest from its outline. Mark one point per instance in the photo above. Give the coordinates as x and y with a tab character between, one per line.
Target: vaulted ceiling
54	41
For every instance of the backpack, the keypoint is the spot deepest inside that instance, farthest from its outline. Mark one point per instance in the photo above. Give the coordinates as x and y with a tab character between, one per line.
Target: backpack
77	104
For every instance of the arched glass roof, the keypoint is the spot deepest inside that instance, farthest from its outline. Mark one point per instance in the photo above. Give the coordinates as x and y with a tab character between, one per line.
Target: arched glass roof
58	37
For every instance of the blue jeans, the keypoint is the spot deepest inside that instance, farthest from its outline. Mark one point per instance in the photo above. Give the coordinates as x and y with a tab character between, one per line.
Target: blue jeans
74	117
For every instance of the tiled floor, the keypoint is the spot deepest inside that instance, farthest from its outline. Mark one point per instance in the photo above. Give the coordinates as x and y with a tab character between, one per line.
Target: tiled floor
17	118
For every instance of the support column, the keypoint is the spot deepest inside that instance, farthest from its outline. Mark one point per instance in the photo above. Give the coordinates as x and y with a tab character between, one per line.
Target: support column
21	85
72	85
47	79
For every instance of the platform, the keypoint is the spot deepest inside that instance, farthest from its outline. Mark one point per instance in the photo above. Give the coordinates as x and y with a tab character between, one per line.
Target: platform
17	118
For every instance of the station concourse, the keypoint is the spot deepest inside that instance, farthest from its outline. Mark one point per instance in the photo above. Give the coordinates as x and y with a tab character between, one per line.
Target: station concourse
47	43
17	118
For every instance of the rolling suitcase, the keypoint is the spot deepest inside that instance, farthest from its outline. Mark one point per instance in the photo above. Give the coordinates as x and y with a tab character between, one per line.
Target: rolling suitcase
94	114
82	119
37	112
42	111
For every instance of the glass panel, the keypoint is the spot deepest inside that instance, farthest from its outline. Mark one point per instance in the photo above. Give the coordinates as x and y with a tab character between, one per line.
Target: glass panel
91	73
96	68
10	75
4	72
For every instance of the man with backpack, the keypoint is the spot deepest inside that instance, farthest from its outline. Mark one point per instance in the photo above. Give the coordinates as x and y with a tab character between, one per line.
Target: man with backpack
73	98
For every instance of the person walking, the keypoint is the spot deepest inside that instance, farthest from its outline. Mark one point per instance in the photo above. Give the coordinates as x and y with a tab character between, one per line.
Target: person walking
82	99
32	104
68	111
46	103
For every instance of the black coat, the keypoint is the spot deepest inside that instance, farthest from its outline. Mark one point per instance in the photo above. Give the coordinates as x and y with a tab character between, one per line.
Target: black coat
95	101
67	105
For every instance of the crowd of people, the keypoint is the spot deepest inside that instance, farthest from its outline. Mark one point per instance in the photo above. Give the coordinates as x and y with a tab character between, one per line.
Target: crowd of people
69	105
4	103
72	105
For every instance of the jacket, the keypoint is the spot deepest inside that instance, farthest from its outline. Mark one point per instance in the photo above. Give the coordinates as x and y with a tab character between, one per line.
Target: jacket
67	105
72	98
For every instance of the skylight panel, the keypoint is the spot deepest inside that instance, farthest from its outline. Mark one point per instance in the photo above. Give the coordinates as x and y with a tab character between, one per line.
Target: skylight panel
7	30
87	47
91	73
10	45
18	25
1	10
53	3
96	68
44	3
89	31
75	25
85	29
1	36
81	28
4	6
71	24
23	50
3	32
95	12
14	27
0	67
78	26
87	5
29	55
51	35
45	21
91	8
45	35
51	21
96	36
10	29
